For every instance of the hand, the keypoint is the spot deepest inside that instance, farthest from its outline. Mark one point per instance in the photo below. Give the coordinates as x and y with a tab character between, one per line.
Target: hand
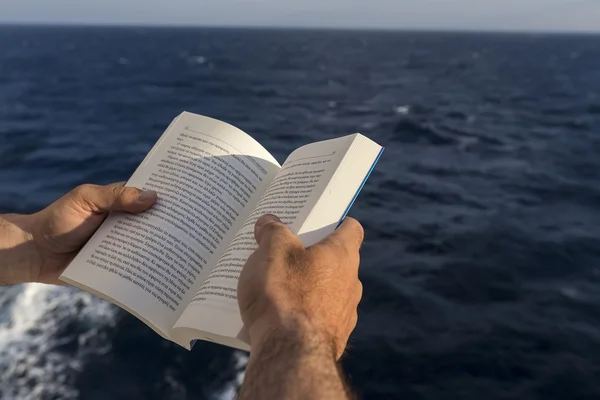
57	232
313	292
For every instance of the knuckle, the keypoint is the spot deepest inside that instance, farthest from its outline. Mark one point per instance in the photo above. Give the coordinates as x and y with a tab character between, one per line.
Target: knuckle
357	227
323	253
83	197
343	251
336	246
116	191
81	190
82	193
354	321
275	228
359	236
359	290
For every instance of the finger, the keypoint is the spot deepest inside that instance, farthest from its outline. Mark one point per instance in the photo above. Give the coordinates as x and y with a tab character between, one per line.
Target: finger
115	197
347	238
130	199
270	232
350	232
358	292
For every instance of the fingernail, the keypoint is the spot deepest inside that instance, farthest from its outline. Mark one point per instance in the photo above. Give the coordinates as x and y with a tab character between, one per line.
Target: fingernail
266	219
146	196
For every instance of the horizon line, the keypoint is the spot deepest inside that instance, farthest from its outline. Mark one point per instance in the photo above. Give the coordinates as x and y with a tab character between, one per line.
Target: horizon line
71	24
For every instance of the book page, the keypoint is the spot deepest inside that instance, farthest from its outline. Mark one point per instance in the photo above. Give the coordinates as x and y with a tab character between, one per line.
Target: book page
209	176
310	194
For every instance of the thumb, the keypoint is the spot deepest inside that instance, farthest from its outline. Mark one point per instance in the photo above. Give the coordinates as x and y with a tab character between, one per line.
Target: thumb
270	233
349	236
114	197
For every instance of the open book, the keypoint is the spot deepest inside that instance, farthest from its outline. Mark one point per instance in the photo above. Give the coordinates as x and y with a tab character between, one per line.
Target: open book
176	266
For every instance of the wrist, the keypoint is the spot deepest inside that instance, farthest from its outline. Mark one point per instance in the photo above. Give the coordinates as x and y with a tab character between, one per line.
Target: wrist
295	331
293	360
21	255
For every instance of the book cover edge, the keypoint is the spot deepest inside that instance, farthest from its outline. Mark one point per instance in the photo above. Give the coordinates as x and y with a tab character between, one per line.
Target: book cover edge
360	187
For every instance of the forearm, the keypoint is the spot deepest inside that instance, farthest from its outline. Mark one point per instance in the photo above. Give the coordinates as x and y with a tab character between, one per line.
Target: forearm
293	365
17	249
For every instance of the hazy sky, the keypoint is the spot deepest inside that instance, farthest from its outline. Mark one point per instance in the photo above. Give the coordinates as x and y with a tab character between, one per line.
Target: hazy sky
578	15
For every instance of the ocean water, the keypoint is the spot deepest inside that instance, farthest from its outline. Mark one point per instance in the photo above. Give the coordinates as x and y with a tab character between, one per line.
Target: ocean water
481	267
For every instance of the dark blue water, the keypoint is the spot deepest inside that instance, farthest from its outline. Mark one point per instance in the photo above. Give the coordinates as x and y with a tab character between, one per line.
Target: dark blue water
481	268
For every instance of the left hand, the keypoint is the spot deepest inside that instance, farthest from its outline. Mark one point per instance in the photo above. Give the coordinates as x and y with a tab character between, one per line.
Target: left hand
62	228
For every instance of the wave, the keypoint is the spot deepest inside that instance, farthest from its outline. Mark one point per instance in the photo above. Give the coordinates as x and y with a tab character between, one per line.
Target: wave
37	336
408	130
54	341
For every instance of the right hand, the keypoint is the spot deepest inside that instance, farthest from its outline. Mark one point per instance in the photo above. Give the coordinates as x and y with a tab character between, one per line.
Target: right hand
305	293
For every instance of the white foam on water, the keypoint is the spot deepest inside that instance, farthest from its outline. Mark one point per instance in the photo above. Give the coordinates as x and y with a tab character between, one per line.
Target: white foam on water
230	391
36	320
199	59
402	110
571	292
31	367
24	313
464	142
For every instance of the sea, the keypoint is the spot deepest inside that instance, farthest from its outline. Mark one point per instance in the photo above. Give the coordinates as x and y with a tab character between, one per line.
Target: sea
481	265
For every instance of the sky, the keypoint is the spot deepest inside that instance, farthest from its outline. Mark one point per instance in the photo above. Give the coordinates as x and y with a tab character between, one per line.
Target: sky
534	15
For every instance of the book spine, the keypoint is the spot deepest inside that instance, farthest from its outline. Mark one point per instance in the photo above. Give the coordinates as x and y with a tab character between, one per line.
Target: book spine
360	188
